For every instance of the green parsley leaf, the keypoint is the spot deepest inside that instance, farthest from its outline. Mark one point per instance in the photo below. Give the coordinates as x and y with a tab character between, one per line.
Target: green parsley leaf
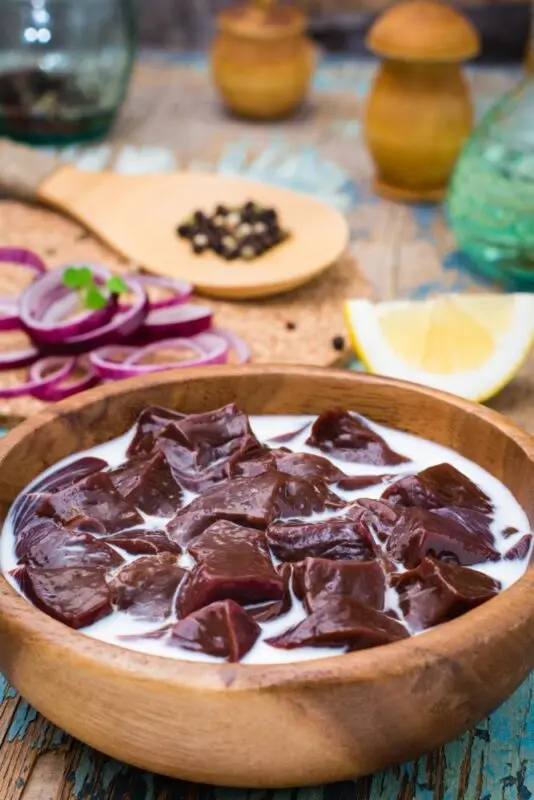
116	285
77	277
94	299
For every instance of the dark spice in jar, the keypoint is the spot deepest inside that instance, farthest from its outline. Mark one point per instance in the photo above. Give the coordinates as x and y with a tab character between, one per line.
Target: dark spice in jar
50	106
239	232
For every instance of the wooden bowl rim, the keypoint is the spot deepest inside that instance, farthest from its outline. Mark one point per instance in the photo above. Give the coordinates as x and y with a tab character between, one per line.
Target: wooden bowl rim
498	616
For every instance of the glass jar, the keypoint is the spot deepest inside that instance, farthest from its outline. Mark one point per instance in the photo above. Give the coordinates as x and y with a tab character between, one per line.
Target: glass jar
491	197
65	66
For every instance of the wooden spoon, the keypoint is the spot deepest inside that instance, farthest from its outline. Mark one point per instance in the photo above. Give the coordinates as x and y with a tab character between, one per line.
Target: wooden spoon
137	216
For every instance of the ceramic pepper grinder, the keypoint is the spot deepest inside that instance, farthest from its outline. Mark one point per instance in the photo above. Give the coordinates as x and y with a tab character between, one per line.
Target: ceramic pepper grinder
419	110
261	59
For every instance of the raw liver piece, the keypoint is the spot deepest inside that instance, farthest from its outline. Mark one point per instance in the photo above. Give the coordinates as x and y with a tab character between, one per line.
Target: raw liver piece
352	483
213	435
233	563
298	497
46	544
440	486
149	484
435	592
26	505
520	550
75	596
298	465
375	515
199	446
285	438
348	437
251	462
335	538
253	502
150	422
140	541
419	533
146	587
222	629
308	466
198	479
275	608
93	498
342	622
476	522
317	579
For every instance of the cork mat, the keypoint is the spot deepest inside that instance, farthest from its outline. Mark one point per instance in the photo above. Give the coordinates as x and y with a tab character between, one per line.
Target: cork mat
296	327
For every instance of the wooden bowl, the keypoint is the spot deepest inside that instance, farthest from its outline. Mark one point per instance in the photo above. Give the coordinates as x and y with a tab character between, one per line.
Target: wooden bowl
275	725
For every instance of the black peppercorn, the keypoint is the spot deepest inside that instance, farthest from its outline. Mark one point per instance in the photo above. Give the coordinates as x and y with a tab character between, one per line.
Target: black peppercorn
338	343
232	232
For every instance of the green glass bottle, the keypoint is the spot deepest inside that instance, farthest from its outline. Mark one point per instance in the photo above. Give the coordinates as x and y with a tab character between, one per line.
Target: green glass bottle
491	196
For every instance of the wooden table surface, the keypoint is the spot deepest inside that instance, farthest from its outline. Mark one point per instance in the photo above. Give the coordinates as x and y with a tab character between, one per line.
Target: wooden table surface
402	252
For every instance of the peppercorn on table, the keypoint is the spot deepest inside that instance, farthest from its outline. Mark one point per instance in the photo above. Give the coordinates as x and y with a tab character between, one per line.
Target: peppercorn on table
395	251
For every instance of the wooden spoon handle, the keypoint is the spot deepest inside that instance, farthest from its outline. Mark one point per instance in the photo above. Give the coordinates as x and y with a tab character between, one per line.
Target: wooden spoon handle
23	169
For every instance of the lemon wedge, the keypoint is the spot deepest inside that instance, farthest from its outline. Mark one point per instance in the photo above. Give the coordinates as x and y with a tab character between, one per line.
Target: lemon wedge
470	345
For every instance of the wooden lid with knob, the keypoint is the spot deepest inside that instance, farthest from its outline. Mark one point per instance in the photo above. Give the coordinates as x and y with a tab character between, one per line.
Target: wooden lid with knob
262	19
423	30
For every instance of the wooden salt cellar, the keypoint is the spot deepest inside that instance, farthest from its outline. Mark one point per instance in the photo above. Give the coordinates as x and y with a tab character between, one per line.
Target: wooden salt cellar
261	59
419	110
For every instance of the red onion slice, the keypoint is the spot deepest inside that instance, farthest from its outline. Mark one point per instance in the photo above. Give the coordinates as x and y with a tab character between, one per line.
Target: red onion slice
174	321
209	349
64	368
213	349
120	354
236	344
181	290
14	359
45	301
120	328
57	391
9	313
23	258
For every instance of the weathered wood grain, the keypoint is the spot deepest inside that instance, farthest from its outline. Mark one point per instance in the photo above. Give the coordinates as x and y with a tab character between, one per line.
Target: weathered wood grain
491	762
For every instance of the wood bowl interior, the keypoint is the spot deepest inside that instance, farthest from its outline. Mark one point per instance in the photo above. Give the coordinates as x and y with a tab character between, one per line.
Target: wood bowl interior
349	715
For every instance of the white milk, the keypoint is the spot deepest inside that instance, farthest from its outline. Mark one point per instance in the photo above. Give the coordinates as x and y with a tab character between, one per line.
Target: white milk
423	454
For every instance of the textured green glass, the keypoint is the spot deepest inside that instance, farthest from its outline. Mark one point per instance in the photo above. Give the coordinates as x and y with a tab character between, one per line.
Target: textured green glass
65	66
491	197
